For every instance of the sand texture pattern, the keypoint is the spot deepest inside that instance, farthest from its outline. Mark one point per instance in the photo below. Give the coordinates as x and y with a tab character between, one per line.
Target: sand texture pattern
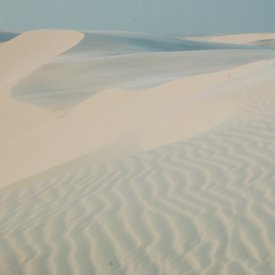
168	177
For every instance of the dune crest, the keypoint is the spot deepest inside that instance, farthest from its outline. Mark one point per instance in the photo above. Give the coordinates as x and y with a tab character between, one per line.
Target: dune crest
28	51
20	57
239	39
175	179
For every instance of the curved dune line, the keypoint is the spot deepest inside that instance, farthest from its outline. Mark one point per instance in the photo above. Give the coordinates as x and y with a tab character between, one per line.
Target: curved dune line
201	206
112	115
20	57
28	51
193	160
152	199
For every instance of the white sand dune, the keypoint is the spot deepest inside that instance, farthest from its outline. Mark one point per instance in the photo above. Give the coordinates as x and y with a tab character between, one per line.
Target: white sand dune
153	116
103	61
175	179
248	38
19	57
28	51
204	206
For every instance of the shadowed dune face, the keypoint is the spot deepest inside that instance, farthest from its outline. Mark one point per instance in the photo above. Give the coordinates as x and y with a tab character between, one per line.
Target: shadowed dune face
6	36
20	57
116	122
269	43
28	51
106	60
115	43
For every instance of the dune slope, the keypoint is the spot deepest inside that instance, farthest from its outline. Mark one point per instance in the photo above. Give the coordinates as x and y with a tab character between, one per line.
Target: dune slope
153	116
131	61
201	206
239	39
20	57
173	179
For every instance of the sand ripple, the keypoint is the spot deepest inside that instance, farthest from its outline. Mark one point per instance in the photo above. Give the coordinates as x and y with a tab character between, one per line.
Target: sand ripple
204	206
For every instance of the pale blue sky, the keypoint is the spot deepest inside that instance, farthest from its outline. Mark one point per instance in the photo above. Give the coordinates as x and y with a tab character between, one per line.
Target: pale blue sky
156	16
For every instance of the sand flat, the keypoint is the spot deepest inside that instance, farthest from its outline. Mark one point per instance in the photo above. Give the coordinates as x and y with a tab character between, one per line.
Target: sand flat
172	179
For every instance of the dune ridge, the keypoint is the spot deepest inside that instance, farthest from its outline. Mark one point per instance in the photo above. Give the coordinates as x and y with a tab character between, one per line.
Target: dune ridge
175	179
239	39
20	57
103	61
202	206
30	50
113	114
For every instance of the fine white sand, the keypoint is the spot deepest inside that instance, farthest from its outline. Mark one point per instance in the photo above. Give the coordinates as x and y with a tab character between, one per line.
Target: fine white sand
19	57
154	116
109	60
173	179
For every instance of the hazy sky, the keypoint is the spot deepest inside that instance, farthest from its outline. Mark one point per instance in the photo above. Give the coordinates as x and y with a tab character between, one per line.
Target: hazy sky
156	16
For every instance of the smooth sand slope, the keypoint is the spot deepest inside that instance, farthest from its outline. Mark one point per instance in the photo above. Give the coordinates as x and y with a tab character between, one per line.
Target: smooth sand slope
20	57
106	60
173	179
141	120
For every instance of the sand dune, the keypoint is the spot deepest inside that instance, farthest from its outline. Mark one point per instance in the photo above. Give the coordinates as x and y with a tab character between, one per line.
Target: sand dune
152	115
249	38
173	179
130	61
204	206
19	57
28	51
6	36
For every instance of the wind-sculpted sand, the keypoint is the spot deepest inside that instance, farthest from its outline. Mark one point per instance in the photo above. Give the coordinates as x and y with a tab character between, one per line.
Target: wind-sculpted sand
20	57
173	179
152	116
131	61
248	38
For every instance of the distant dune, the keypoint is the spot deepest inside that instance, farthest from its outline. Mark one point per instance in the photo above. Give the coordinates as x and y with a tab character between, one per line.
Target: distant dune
125	153
249	38
108	60
6	36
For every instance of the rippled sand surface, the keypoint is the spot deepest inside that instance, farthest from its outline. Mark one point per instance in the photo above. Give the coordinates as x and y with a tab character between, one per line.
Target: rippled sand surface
127	156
